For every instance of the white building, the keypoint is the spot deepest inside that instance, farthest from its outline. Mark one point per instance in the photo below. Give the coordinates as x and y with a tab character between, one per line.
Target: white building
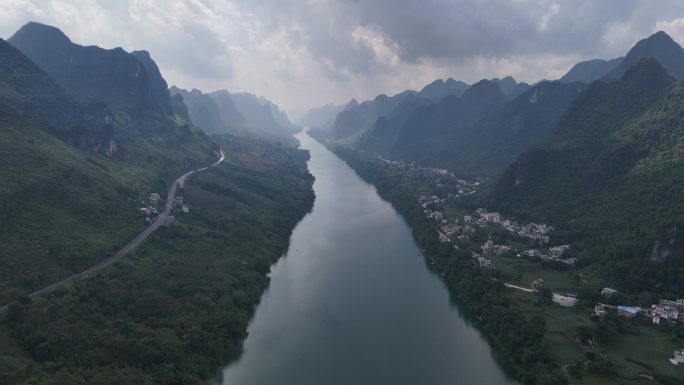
678	358
608	291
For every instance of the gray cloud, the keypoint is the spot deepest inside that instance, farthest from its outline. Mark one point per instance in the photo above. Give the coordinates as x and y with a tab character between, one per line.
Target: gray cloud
460	30
305	52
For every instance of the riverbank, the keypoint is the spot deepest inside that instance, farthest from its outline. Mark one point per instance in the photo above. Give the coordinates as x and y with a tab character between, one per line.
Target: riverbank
176	308
621	359
518	337
352	302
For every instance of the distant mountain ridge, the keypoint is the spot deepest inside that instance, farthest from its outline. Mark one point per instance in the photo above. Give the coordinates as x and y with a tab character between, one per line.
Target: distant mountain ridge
323	116
590	70
659	46
481	137
440	89
497	139
385	115
429	129
203	112
510	87
235	113
356	120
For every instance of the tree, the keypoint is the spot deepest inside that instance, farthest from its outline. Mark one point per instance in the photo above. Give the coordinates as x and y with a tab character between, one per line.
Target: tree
545	296
15	313
603	333
584	333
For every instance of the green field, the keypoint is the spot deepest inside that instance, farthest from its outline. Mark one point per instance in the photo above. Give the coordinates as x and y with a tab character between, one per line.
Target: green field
643	350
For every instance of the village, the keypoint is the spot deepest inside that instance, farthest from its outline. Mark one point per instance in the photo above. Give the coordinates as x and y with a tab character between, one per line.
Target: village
532	250
665	311
537	235
150	211
462	187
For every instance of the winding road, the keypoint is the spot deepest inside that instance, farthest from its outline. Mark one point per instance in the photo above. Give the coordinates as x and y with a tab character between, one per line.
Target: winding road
160	220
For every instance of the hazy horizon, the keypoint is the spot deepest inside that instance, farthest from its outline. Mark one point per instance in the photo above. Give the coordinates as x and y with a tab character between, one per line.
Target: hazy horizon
304	54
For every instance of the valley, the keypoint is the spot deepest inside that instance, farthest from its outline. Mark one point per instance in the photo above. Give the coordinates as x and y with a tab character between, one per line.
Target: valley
503	210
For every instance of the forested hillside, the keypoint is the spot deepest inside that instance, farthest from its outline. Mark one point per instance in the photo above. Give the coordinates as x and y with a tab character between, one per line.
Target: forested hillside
178	307
610	179
77	165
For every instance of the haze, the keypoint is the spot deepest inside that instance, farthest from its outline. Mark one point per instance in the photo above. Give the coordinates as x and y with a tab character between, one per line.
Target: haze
305	53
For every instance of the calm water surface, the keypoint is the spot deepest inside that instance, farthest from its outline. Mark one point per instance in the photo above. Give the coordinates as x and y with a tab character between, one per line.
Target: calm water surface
352	302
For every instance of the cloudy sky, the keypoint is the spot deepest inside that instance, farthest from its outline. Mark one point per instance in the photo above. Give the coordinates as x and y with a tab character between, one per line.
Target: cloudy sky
304	53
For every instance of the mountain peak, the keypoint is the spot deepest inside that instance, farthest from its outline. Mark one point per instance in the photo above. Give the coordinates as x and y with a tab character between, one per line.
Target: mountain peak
141	54
659	46
47	33
507	85
483	86
661	35
450	82
352	104
659	42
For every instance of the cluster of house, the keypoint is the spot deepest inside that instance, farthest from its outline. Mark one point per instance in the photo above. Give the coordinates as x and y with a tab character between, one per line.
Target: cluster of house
555	253
446	230
463	187
413	166
482	261
151	206
178	203
538	232
427	202
664	311
489	249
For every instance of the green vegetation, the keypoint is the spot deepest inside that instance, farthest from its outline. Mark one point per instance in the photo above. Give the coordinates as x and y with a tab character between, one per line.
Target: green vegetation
62	207
518	337
545	335
476	132
74	173
177	308
610	181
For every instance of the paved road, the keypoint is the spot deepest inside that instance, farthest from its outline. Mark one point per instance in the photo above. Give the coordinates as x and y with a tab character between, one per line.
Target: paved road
163	217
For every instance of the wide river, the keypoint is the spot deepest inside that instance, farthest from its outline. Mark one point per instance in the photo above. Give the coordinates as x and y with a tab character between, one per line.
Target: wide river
353	303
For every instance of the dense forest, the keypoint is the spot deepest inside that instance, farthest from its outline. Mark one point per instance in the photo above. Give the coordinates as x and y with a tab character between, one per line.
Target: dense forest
74	171
610	180
178	307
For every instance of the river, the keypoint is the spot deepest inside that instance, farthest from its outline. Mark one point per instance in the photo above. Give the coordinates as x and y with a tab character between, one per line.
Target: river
353	303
